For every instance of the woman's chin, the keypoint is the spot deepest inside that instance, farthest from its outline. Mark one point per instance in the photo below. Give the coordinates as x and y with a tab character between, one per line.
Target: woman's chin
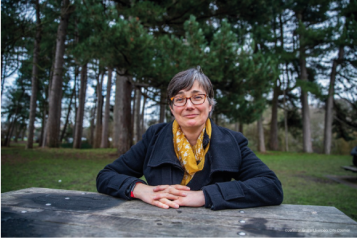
193	123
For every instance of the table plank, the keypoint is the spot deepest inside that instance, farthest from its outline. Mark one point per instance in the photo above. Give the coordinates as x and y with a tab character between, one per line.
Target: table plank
93	214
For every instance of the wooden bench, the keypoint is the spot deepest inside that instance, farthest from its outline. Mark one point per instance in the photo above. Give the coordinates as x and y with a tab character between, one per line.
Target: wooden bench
350	168
54	212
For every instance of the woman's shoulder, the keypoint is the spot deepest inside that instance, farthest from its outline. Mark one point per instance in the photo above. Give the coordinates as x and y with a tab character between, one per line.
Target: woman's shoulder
228	135
225	131
156	129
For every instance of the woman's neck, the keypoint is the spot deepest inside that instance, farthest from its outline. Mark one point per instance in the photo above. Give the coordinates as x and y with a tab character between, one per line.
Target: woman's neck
192	134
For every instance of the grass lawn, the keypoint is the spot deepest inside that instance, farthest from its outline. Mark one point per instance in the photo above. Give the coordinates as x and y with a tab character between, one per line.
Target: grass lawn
302	175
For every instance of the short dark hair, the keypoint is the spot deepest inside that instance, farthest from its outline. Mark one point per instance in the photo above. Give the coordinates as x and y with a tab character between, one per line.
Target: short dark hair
186	79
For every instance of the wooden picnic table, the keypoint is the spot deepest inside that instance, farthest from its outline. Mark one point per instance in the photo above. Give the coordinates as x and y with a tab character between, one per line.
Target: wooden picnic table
55	212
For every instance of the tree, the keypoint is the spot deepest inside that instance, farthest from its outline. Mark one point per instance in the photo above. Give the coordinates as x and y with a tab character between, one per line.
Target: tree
80	111
35	67
99	113
54	117
13	36
122	113
348	40
307	15
104	142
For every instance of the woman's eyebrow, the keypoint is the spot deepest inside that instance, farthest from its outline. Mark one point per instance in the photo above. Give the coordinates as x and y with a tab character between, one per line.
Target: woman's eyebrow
194	91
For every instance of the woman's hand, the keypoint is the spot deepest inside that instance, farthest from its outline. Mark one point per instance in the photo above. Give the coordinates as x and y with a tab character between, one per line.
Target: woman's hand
193	199
185	197
160	196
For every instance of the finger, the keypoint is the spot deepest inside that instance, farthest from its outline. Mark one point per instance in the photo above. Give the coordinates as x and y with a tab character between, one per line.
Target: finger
178	202
165	195
169	203
176	192
160	204
181	187
160	188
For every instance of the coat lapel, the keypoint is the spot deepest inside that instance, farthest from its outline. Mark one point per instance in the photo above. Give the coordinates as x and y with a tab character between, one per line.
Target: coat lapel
163	152
225	152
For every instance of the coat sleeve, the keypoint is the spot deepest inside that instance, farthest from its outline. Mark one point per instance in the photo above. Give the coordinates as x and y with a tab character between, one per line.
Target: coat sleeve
255	184
117	177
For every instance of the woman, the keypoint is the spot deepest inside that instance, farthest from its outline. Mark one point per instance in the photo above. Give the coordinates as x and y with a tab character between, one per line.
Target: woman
191	161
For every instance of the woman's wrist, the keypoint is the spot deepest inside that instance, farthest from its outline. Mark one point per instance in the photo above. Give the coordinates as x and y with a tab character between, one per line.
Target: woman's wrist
136	191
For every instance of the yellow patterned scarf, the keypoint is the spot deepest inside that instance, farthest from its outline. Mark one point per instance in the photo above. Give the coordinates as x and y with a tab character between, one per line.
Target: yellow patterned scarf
189	155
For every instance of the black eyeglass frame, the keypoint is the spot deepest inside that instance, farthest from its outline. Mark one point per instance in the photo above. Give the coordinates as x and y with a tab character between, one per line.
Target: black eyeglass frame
205	95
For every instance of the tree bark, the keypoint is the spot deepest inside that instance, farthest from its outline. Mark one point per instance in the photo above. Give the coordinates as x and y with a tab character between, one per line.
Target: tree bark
80	111
92	125
133	110
105	131
162	106
70	105
43	123
10	132
143	116
137	115
286	124
33	100
16	129
44	140
273	140
122	114
99	113
329	103
241	127
307	145
261	141
54	118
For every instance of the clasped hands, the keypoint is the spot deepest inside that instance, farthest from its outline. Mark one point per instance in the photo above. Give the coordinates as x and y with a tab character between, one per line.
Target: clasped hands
166	196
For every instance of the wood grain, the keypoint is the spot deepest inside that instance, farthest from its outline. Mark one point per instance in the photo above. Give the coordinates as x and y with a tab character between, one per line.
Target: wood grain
76	213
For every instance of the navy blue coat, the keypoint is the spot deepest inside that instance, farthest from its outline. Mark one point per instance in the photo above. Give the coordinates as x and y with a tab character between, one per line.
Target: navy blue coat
228	157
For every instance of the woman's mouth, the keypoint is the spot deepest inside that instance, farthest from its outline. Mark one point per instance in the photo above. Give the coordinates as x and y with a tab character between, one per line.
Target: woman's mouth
191	115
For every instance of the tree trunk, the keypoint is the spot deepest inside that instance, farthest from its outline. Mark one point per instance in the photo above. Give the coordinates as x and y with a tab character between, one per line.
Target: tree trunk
137	115
7	136
23	133
305	110
122	114
133	110
92	125
143	116
44	140
241	127
80	111
329	103
10	132
286	124
304	97
54	118
273	140
104	142
261	141
69	106
43	123
99	113
29	144
162	106
16	129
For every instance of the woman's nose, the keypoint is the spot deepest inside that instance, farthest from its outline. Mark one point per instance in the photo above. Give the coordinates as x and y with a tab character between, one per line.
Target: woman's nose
189	103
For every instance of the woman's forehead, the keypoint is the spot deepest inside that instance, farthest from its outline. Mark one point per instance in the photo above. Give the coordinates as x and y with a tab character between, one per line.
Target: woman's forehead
196	88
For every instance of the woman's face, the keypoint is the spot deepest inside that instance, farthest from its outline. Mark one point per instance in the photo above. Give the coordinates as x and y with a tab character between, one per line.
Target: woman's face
192	116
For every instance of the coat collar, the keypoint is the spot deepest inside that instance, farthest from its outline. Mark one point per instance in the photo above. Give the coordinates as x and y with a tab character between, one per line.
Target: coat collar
224	152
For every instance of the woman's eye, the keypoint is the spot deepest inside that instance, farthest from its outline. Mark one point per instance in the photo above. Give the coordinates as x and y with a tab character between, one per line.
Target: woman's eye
197	97
179	99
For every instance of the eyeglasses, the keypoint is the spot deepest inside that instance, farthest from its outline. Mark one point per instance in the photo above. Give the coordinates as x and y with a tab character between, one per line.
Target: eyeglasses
196	99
